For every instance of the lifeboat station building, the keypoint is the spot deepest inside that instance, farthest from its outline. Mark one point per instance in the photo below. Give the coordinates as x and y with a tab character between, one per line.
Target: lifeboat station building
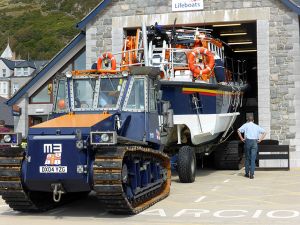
264	33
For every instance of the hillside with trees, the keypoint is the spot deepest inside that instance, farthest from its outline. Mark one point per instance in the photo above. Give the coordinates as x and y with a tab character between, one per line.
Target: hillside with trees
38	29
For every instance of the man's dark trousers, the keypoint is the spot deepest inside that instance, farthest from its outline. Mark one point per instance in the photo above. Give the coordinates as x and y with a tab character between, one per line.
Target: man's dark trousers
250	155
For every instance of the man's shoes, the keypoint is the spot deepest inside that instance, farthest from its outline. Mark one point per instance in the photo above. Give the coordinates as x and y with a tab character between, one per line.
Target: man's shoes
246	175
251	177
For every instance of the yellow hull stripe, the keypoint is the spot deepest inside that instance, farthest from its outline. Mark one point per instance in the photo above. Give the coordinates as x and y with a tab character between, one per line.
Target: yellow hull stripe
200	90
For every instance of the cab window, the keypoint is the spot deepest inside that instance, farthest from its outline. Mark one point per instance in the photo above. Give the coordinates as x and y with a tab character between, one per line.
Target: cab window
61	103
152	97
109	93
136	99
84	90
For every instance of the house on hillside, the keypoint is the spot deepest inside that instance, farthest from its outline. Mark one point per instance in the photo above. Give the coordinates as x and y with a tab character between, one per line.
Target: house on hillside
14	73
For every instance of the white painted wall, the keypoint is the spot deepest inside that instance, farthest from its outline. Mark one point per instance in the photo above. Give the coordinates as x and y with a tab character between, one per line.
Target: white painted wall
4	88
3	66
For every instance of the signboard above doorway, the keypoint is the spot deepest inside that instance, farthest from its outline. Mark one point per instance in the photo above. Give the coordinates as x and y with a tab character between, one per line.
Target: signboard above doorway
187	5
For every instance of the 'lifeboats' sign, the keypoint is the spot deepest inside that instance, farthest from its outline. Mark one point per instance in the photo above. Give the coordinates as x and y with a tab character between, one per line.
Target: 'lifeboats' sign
187	5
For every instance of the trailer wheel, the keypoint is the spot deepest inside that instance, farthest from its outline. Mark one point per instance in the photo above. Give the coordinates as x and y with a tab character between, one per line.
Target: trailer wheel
186	164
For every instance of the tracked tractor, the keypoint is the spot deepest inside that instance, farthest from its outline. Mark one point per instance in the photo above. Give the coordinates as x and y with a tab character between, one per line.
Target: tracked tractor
104	137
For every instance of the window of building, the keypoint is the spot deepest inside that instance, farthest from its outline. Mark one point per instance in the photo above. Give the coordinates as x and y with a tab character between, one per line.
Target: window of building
15	88
19	72
26	71
3	88
34	120
43	95
80	62
4	72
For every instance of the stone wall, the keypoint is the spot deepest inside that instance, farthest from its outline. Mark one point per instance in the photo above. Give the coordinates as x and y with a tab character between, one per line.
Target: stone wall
284	61
99	31
280	49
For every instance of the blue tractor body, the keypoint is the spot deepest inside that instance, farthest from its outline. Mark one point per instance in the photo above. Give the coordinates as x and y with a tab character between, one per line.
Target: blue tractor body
54	156
103	137
55	160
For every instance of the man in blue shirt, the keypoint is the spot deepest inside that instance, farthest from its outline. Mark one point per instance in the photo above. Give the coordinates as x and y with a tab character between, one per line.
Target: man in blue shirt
253	134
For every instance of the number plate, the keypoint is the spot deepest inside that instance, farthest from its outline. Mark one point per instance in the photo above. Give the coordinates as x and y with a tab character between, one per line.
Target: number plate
53	169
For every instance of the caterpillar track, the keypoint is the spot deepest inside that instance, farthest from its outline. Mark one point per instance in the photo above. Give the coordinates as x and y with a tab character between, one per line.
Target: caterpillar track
12	190
110	180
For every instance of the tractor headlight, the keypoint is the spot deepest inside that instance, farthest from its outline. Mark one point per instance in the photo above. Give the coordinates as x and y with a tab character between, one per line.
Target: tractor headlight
10	138
7	138
103	138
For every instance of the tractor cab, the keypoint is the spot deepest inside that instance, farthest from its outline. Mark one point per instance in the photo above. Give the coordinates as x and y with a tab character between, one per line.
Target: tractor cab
88	93
129	96
92	112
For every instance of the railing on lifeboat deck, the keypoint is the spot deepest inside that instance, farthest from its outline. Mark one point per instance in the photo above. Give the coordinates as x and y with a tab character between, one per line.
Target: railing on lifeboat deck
157	57
169	61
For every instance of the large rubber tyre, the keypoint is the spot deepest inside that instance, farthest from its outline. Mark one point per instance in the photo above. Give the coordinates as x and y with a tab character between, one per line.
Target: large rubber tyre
186	165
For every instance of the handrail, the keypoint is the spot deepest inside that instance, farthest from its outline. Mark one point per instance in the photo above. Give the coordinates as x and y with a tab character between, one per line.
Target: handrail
170	65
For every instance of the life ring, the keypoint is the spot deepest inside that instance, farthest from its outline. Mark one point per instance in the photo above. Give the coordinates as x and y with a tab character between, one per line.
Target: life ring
205	73
110	56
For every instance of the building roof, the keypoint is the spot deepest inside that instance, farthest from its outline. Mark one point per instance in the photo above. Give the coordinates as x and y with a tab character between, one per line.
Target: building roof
24	64
12	64
294	5
9	63
46	68
8	54
82	24
6	112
